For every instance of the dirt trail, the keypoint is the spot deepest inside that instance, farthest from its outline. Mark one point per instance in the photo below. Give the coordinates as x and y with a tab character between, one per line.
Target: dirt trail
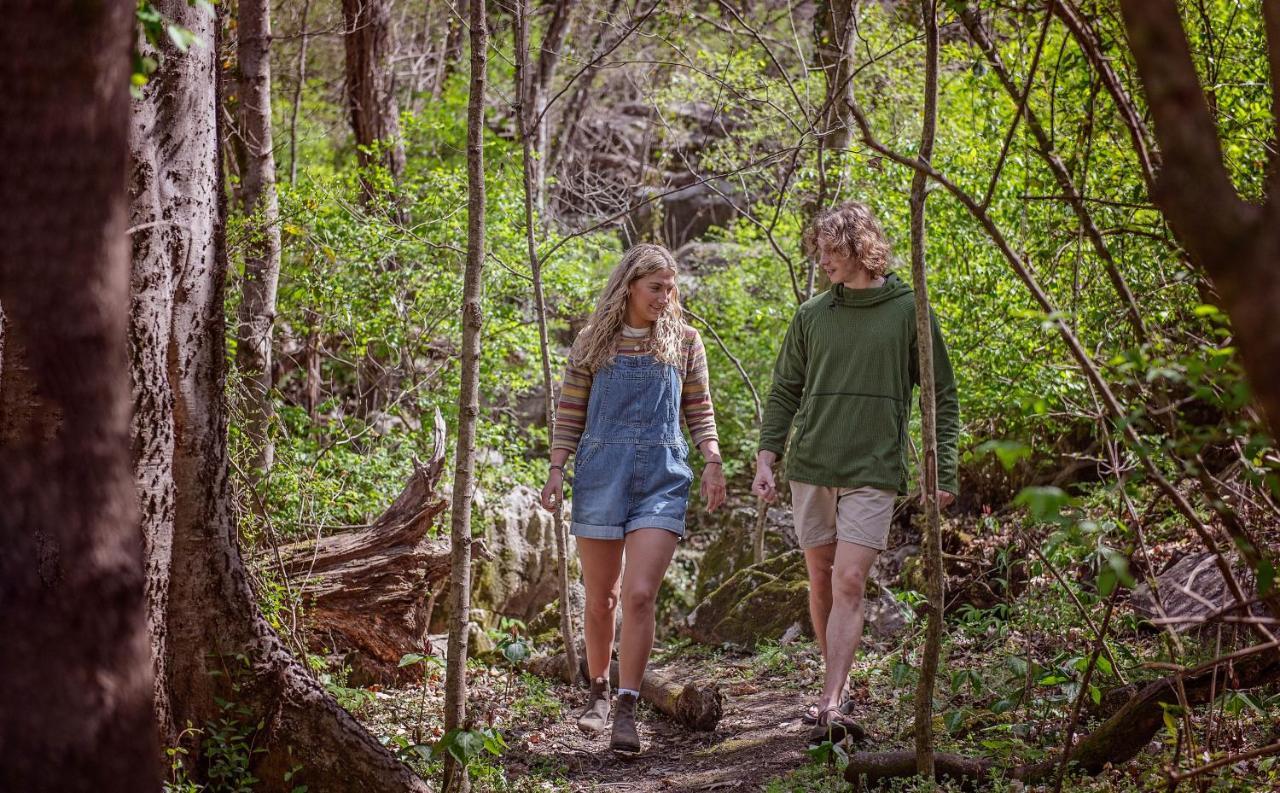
760	737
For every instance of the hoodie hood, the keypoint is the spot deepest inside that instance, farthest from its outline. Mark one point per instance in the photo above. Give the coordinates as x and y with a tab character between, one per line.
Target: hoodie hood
893	287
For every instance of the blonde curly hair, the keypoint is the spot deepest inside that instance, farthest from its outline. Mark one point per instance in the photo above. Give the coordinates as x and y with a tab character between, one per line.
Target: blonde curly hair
853	229
598	342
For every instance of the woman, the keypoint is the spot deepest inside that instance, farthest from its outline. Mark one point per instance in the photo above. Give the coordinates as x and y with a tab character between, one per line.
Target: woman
633	372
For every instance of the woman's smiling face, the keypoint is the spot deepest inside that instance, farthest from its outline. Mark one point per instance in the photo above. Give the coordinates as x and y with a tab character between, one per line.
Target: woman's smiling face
648	297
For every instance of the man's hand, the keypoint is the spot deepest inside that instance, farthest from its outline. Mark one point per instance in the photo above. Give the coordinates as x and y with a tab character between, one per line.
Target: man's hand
944	499
713	486
764	486
553	490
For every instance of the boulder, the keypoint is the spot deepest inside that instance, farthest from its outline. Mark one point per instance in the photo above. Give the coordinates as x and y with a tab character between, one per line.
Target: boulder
521	577
770	601
1190	590
729	549
758	602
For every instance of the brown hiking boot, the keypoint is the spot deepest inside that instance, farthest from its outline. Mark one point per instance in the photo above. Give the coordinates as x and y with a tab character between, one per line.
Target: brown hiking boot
596	714
625	738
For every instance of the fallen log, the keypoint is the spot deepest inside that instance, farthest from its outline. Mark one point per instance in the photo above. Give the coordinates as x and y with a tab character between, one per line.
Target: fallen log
1117	740
368	593
694	706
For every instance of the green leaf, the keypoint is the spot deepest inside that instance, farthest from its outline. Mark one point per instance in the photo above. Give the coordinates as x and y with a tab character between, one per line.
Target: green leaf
1044	503
954	720
1003	705
1008	452
1106	581
900	673
516	652
1266	573
408	659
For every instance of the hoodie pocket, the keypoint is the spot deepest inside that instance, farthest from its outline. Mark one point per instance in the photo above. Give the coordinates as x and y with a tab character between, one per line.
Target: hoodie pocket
853	435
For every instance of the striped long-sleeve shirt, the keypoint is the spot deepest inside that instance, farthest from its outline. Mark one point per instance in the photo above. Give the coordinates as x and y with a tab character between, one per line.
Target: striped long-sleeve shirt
695	393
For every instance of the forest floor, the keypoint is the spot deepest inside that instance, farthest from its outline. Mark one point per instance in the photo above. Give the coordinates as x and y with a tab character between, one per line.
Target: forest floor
760	744
1009	676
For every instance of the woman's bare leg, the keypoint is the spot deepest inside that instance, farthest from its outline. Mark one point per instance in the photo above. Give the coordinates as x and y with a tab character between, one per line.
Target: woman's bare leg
649	552
601	565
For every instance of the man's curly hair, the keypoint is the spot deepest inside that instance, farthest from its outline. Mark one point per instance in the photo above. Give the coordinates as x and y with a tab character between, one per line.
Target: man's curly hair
852	228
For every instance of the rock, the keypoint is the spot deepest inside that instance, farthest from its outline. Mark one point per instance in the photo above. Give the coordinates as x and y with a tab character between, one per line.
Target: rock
521	577
884	616
771	601
544	630
1191	589
758	602
890	565
730	549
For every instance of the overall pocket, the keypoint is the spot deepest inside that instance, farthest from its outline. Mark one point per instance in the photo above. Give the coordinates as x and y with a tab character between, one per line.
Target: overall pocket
638	395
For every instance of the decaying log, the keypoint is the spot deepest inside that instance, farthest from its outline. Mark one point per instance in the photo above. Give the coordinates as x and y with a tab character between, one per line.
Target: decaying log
368	591
1117	740
694	706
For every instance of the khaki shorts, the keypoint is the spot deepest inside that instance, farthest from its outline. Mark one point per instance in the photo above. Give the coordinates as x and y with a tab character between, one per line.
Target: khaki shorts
859	515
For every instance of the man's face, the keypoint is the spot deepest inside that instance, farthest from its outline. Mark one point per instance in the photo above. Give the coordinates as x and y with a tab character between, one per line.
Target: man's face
649	296
835	262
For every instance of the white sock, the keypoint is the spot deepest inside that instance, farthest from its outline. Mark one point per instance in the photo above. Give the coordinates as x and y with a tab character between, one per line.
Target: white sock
630	691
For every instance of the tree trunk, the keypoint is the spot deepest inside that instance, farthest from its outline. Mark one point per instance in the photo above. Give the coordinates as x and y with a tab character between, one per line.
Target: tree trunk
369	591
209	639
928	408
468	399
262	249
299	83
1235	241
538	86
526	121
832	53
75	677
375	116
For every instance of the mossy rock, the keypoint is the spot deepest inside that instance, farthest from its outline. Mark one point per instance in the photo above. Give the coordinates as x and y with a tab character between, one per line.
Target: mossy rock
756	603
729	553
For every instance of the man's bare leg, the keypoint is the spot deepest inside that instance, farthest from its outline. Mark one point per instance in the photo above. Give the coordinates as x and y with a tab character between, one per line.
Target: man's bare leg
819	561
844	625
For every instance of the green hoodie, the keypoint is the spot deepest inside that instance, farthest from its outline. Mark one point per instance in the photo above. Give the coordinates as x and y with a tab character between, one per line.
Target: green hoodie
845	374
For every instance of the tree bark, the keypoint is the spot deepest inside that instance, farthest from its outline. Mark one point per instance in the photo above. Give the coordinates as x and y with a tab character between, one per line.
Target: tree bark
375	116
208	637
1235	241
468	399
75	677
262	249
832	53
526	121
538	86
928	408
368	591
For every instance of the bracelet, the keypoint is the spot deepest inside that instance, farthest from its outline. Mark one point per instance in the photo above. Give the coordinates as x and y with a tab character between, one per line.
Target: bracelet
559	468
714	462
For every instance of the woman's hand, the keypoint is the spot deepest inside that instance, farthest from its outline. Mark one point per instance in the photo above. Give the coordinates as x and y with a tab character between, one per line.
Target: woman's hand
713	487
553	490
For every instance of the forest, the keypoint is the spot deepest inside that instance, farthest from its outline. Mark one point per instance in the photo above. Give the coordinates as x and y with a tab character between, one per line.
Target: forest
287	295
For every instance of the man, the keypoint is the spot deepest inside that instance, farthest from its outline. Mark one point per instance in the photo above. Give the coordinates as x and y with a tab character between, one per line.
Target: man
845	376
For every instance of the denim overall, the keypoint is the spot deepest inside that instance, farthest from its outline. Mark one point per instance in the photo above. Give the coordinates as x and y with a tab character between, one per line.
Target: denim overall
631	470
